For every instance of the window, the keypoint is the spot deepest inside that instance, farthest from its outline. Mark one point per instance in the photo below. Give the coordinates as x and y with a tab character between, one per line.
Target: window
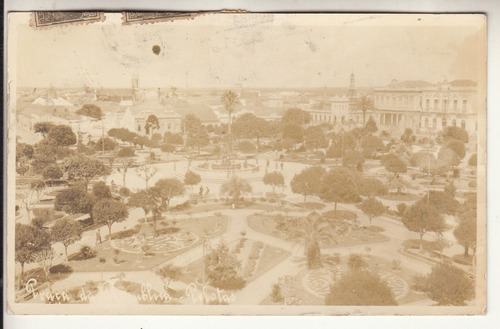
436	103
464	105
168	126
455	105
427	104
443	122
454	123
463	124
426	122
434	123
138	127
445	105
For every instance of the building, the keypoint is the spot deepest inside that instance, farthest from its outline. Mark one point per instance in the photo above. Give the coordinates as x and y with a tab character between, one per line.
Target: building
168	119
425	107
331	110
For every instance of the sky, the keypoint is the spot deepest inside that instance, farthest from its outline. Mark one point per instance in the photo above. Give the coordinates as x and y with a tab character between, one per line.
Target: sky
280	51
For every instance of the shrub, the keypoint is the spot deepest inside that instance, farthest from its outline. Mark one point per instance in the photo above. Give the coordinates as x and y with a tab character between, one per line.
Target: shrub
419	283
262	199
473	160
276	295
473	183
167	230
125	234
60	268
124	191
376	229
87	252
116	253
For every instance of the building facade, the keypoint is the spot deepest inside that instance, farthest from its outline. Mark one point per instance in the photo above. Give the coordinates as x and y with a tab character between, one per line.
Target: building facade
425	107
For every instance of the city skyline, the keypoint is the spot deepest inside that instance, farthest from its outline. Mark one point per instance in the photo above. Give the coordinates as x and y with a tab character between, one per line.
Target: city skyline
263	51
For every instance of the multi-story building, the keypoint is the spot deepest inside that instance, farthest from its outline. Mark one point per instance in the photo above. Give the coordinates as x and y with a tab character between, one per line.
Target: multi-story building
333	110
425	107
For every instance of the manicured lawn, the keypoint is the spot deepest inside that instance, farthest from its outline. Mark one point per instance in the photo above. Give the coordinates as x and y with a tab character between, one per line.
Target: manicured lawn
266	224
138	261
400	197
311	205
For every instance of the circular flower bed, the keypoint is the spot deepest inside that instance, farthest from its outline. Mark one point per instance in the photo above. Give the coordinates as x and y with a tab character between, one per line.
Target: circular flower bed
161	243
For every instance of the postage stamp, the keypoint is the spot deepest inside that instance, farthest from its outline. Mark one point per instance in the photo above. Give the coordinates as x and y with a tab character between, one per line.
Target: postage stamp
42	19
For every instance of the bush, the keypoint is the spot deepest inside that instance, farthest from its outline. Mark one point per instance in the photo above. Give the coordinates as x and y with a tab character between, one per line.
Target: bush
125	234
419	283
124	192
87	252
276	295
473	160
60	268
182	206
473	183
376	229
167	230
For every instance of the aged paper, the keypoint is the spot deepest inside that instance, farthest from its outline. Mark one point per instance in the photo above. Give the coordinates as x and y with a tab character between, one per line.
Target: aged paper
238	163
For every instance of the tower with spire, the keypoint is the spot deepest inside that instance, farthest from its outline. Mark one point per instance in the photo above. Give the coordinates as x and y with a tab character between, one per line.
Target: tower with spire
352	88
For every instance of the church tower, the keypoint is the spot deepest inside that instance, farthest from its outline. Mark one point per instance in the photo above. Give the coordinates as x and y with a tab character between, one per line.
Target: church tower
352	87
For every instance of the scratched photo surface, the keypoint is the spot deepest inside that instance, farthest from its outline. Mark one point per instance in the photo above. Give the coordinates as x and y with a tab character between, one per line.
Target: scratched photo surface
236	163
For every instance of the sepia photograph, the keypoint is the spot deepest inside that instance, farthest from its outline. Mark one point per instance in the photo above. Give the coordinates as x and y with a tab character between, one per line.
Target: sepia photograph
231	163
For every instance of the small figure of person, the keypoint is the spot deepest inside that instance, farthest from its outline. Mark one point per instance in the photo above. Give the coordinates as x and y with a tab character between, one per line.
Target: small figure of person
281	165
207	190
98	236
201	190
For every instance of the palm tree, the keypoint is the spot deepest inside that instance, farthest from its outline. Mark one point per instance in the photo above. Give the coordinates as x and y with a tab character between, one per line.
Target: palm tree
230	99
234	187
311	231
364	104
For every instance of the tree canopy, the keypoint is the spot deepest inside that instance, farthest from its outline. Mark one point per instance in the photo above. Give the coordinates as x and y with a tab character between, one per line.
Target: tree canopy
191	178
452	132
67	231
339	185
222	268
90	110
28	241
296	116
421	218
372	208
275	180
394	163
108	212
62	135
308	181
234	187
74	200
360	287
152	123
85	168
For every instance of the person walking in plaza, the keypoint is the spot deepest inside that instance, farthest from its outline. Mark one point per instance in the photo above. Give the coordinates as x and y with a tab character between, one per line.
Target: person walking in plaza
98	236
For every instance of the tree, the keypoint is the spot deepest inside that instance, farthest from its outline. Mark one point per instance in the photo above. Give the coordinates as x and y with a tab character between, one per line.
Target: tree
43	128
75	200
422	218
371	125
126	158
52	172
29	240
408	136
448	285
222	269
90	110
311	231
443	201
293	132
372	208
308	181
24	151
101	191
196	133
275	180
32	196
395	165
296	116
62	135
143	199
353	159
473	160
81	167
146	171
315	138
67	231
44	259
230	99
123	134
370	186
248	125
168	273
360	287
364	104
168	188
109	144
246	146
170	138
452	152
466	231
234	187
152	123
109	211
191	179
456	133
339	185
370	145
